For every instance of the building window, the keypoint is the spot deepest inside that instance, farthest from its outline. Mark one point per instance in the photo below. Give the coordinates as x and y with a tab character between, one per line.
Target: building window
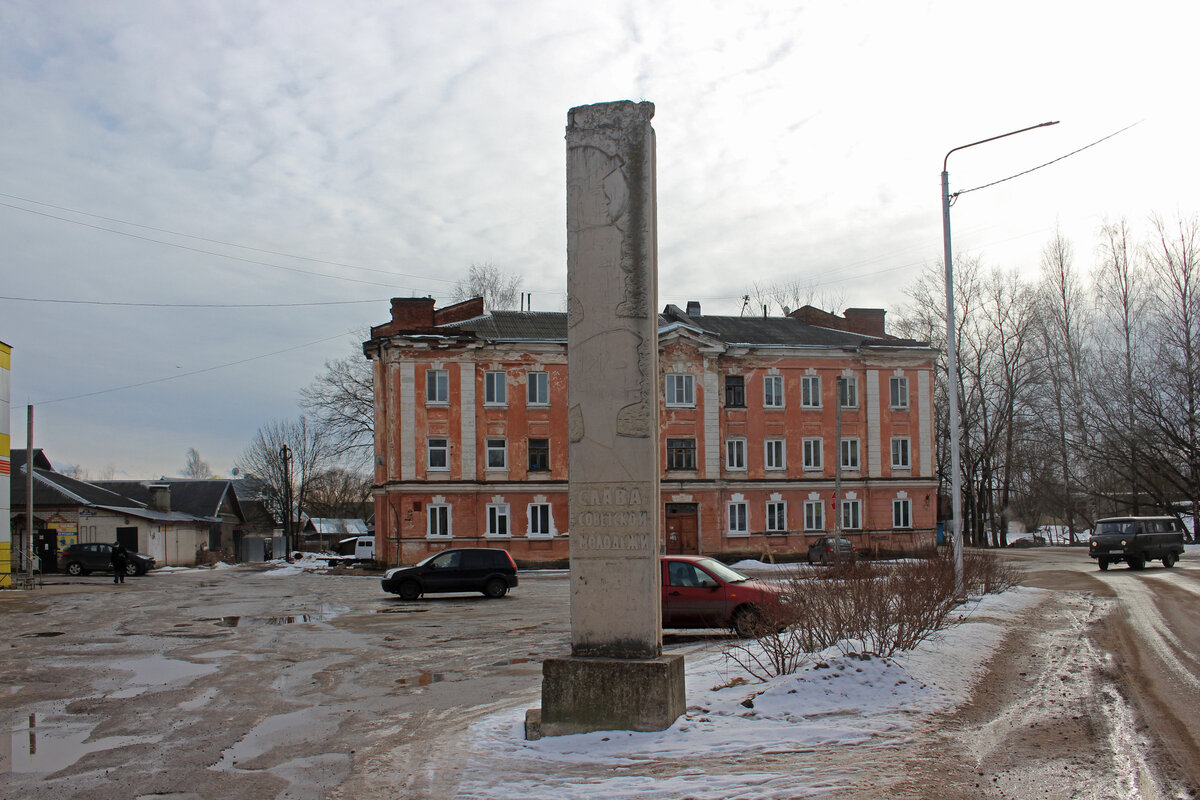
439	452
902	513
539	389
812	454
497	454
495	388
773	391
737	518
776	516
900	454
539	455
439	520
851	515
735	454
539	519
774	453
681	453
847	387
814	515
735	391
497	524
810	391
437	386
681	390
849	450
899	392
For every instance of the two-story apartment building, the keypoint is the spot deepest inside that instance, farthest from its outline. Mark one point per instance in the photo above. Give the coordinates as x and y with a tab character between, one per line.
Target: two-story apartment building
774	431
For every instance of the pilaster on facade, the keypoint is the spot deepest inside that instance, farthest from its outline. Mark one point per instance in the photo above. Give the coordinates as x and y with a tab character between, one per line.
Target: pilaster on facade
466	442
408	420
713	449
874	438
925	422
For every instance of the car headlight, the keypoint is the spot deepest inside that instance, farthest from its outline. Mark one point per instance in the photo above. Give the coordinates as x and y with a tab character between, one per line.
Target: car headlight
1122	543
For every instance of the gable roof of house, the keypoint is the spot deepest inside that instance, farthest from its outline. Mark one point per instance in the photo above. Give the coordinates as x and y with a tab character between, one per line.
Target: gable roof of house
51	489
327	525
201	497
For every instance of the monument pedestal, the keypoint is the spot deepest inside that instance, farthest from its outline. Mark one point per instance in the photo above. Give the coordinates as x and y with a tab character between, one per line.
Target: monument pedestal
581	694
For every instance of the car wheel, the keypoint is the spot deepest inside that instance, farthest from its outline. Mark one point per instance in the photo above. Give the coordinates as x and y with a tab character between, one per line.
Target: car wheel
1135	562
410	590
75	568
1169	560
747	621
131	569
495	588
1103	564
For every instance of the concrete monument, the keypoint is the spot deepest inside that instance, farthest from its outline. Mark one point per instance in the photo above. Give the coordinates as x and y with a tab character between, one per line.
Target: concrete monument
616	677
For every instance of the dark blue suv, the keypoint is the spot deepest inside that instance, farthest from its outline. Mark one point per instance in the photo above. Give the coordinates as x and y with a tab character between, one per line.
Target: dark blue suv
462	569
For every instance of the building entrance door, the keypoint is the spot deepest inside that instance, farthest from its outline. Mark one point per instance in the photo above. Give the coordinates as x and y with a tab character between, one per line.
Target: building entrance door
683	529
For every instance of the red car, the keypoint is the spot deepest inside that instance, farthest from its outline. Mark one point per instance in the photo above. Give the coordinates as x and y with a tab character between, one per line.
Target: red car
700	592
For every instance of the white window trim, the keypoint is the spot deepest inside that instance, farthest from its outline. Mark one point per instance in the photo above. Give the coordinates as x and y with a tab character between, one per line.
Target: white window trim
820	506
502	509
820	451
782	465
490	382
905	502
907	466
729	518
816	381
857	467
851	383
446	376
689	383
767	509
735	444
533	378
429	454
767	381
857	505
905	405
487	452
449	534
549	521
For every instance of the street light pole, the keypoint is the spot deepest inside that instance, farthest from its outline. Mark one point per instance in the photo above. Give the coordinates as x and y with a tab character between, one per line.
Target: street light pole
952	364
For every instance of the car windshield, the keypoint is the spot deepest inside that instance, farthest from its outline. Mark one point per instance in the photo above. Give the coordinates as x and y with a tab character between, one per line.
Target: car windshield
723	572
1114	527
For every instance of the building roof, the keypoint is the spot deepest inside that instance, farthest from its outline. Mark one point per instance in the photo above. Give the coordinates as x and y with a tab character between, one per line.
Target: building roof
51	489
517	325
201	497
327	525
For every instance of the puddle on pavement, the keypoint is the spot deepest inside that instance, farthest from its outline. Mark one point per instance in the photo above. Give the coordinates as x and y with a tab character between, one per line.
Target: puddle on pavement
38	744
399	610
506	662
426	678
42	634
324	615
157	672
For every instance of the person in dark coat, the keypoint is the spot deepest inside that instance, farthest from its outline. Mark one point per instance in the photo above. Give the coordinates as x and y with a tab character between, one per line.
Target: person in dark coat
120	559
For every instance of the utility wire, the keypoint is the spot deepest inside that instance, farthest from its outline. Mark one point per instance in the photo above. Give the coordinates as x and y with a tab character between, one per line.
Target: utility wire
188	374
1048	163
185	305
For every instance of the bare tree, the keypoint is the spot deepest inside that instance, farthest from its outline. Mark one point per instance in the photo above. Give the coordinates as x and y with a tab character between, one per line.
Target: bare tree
341	403
498	288
287	456
195	466
341	494
787	295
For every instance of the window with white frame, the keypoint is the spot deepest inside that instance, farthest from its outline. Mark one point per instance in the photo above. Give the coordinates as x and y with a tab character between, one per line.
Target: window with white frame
497	453
775	453
437	386
773	391
812	454
539	519
899	392
439	519
902	513
735	454
439	454
814	515
847	390
681	389
495	388
497	519
810	391
539	389
851	515
900	449
738	522
776	516
849	453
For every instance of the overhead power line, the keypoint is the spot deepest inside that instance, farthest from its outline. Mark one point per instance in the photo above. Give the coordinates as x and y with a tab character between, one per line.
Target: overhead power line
185	305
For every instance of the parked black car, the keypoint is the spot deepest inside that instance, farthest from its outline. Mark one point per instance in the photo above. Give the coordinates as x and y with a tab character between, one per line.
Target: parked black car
80	559
1136	540
829	549
463	569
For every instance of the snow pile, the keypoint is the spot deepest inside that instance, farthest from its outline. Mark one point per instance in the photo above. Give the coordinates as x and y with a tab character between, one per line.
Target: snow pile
837	699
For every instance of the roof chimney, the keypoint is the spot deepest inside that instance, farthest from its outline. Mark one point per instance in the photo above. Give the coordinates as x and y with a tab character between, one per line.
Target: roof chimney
867	321
160	497
693	308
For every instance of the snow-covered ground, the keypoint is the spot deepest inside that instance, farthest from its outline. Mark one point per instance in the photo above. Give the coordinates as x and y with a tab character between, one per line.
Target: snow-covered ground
834	700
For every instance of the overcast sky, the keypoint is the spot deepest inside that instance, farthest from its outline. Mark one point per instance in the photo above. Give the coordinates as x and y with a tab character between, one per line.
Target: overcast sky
284	153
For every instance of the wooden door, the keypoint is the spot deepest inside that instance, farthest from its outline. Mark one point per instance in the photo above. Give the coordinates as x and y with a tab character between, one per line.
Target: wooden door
683	529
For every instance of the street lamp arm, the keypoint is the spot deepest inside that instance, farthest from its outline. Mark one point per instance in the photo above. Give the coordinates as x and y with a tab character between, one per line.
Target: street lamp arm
994	138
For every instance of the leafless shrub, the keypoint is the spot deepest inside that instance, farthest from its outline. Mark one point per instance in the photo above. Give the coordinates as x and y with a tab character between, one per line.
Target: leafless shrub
984	573
775	645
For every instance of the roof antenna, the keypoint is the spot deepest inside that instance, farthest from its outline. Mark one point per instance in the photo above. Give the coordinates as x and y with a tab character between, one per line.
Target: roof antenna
764	312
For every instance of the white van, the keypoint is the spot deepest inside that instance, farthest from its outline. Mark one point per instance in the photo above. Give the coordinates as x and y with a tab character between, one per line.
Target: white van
360	548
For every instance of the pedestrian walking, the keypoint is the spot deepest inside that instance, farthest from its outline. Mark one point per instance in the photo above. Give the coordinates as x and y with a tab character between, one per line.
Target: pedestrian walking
120	559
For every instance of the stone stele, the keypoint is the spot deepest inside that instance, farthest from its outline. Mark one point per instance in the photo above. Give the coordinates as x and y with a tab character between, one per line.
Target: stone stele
617	677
